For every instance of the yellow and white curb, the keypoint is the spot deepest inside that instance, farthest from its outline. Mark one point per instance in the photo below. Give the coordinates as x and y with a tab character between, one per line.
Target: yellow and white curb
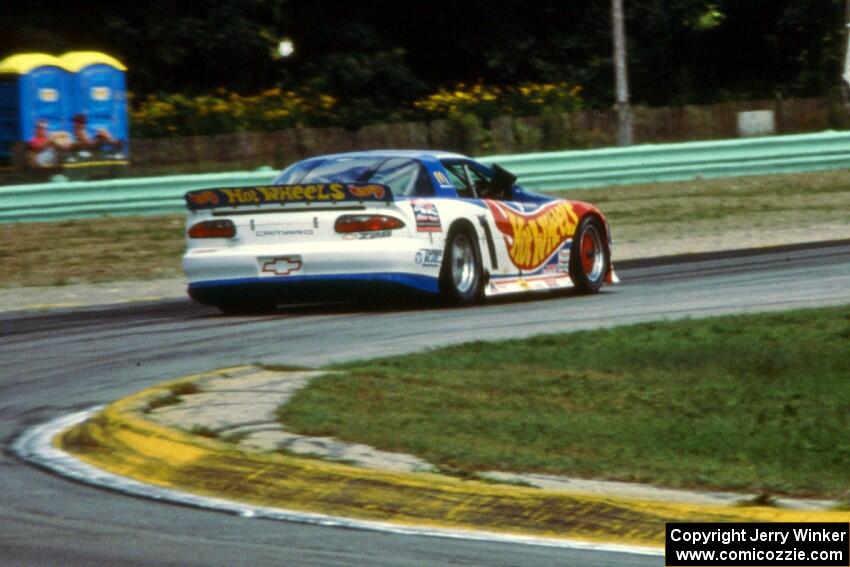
36	445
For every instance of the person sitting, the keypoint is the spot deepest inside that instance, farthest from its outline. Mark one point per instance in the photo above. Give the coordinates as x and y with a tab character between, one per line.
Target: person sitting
102	138
82	141
40	147
41	138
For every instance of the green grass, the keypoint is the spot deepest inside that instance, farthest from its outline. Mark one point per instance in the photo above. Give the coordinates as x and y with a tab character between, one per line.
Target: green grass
757	402
91	250
712	207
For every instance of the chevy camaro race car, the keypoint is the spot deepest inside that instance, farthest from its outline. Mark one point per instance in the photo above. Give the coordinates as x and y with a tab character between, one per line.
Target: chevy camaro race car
432	222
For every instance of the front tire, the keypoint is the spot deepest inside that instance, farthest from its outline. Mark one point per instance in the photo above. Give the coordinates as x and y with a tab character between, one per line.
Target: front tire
590	258
461	272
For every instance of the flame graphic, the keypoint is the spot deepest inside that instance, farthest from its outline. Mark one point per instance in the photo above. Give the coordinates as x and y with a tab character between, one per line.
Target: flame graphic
363	191
204	197
532	238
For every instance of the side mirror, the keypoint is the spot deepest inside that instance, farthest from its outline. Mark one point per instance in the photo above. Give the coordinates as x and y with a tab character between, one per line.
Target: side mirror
503	180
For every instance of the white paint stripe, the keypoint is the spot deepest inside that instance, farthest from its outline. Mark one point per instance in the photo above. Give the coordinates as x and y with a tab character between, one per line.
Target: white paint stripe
36	446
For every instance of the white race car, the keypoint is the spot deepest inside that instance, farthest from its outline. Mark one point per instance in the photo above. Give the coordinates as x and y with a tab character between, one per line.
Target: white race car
423	221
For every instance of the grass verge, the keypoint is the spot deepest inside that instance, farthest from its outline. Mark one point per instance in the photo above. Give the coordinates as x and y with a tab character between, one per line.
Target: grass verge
91	250
644	216
757	403
713	207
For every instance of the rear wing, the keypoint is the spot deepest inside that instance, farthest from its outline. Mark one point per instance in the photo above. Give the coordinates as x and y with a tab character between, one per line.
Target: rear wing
282	195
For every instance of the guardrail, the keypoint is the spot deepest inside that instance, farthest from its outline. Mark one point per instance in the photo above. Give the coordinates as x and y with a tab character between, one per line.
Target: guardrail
677	162
118	197
541	171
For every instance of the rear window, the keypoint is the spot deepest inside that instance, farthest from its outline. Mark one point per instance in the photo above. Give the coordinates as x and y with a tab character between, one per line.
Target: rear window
340	170
404	176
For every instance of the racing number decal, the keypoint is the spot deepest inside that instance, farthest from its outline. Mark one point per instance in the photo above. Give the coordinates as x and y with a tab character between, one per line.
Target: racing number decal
442	180
532	238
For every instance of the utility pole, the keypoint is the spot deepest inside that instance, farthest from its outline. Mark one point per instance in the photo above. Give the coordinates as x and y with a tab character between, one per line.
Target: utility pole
845	75
624	112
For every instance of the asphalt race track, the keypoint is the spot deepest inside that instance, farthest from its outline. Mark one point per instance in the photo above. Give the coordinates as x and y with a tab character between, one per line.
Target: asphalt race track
58	362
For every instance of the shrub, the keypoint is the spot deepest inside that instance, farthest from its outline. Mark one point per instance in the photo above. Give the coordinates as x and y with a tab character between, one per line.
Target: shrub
488	102
226	112
223	112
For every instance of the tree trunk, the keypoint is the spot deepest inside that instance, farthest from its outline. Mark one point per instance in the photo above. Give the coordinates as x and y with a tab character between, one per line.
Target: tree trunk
624	112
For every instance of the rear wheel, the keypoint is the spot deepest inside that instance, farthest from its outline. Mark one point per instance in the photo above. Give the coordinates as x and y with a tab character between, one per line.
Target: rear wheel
589	256
461	273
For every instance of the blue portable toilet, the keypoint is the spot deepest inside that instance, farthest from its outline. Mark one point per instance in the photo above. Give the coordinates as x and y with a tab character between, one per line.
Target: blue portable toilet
33	88
98	94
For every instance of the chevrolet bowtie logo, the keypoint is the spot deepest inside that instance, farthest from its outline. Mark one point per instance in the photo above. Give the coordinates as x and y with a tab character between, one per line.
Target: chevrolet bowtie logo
283	266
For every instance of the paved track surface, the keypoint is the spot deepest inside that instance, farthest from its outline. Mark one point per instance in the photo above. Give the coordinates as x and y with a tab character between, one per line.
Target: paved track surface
55	363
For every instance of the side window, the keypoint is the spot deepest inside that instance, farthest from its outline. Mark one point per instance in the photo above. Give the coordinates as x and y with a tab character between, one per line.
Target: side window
472	180
479	182
404	177
488	185
459	177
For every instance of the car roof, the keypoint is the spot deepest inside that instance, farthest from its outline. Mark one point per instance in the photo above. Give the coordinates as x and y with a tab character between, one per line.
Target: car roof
389	153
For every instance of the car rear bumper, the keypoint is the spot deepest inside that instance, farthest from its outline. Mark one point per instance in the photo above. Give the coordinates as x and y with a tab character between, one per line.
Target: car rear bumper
310	270
310	288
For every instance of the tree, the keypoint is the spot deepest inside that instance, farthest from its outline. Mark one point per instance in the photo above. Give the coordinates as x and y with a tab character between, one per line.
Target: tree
680	51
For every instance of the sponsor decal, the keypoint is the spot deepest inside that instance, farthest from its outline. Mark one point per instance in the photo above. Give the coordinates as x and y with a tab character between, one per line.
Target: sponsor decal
427	217
532	238
366	191
564	257
282	266
203	198
282	194
429	258
368	235
514	285
374	234
442	180
294	232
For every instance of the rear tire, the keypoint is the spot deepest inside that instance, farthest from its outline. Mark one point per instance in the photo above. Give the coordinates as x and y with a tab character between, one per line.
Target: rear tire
461	275
589	256
247	306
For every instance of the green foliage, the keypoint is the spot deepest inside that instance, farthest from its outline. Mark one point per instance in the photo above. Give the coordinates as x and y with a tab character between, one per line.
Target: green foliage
488	102
225	112
368	87
753	402
352	92
378	55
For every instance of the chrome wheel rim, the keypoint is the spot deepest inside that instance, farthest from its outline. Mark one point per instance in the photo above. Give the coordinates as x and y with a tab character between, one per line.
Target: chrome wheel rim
463	264
592	254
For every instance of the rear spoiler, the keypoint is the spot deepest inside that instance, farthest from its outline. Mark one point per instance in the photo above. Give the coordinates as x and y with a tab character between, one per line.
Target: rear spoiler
321	193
